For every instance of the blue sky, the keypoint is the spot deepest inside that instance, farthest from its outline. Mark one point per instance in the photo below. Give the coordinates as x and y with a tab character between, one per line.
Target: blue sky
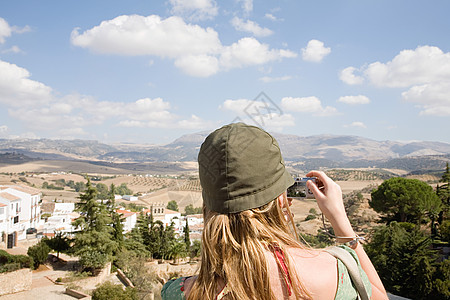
150	71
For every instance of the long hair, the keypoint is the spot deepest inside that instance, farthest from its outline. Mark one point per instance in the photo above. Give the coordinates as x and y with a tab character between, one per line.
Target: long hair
233	251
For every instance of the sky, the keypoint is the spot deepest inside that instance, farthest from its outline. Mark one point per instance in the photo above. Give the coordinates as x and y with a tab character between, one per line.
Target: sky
150	71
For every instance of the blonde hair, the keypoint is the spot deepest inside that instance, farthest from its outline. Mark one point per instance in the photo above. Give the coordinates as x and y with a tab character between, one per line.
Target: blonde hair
233	251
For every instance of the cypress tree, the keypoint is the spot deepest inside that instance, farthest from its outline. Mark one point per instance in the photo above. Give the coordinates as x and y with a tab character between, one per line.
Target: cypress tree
187	240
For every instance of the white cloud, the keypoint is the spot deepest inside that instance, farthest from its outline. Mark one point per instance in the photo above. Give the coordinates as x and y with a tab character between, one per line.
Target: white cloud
354	100
249	51
247	5
194	123
424	70
16	89
19	30
347	75
356	124
5	30
425	64
272	17
13	49
250	26
315	51
198	65
195	9
196	51
263	114
34	104
139	35
3	129
433	98
69	133
310	105
71	114
268	79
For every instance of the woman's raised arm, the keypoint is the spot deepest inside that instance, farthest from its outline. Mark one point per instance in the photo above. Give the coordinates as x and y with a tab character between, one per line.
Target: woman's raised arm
329	199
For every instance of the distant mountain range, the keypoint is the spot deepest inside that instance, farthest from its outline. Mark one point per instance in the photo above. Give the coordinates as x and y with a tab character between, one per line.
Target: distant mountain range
330	151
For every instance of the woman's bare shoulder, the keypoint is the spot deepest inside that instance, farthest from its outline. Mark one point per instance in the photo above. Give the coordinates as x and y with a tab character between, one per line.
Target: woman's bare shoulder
317	270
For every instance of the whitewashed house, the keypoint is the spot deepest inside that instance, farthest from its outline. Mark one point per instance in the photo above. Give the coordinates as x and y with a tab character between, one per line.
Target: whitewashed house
61	219
172	216
3	219
130	219
21	210
130	198
63	208
31	197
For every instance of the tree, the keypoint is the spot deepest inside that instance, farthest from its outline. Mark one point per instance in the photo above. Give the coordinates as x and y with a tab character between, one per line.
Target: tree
93	241
111	291
402	255
172	205
405	200
102	191
196	248
80	187
123	190
59	243
191	210
187	240
443	192
39	253
144	280
116	218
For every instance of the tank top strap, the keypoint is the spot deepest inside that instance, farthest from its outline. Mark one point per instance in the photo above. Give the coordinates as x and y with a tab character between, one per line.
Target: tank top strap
280	258
223	292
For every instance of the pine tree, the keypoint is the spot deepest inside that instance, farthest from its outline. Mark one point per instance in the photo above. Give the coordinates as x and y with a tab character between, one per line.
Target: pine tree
117	220
443	192
93	242
403	257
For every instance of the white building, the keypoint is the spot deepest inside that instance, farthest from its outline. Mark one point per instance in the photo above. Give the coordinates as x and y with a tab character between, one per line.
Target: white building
61	219
63	208
130	198
30	208
20	211
130	219
3	219
172	216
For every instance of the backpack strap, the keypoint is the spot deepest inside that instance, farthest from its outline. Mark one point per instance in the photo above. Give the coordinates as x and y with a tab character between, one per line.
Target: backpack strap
350	263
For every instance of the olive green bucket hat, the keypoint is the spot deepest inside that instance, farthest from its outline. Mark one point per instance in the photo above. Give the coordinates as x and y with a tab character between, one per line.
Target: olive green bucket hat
240	168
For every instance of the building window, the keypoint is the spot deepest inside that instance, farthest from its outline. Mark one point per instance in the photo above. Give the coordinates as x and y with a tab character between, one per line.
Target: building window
2	210
16	219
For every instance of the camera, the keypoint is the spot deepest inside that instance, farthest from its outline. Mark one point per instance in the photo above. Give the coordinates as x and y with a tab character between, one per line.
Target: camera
299	190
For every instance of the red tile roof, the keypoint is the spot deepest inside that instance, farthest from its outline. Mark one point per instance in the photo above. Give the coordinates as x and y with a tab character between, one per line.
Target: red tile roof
125	213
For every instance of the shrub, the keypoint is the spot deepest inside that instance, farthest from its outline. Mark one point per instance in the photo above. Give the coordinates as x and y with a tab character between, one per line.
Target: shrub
39	253
313	211
110	291
25	261
9	267
9	263
445	231
310	217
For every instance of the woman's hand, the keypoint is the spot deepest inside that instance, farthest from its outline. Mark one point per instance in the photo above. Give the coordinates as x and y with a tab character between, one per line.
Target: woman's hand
328	195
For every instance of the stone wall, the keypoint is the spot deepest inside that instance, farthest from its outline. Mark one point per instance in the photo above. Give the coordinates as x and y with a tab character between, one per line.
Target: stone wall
91	282
14	282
